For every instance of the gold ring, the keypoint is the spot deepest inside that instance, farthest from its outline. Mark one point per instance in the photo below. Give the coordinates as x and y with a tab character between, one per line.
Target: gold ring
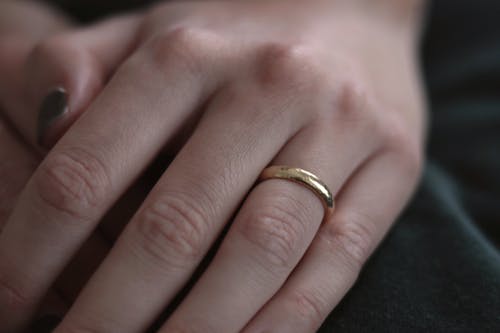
302	177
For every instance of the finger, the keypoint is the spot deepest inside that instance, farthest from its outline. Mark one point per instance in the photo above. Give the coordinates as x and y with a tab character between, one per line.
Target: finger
268	237
94	250
16	166
16	41
22	24
63	74
187	209
366	208
146	103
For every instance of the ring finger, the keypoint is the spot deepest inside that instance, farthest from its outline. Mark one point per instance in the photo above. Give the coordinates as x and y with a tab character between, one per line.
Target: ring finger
270	234
342	245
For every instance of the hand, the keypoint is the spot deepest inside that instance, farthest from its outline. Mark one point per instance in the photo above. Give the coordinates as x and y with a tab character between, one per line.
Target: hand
22	25
259	92
27	64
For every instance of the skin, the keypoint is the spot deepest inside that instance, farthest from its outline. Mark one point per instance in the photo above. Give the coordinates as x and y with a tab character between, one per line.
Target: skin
333	89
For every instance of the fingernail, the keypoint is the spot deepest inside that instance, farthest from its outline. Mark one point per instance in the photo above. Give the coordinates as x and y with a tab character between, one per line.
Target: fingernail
46	324
53	106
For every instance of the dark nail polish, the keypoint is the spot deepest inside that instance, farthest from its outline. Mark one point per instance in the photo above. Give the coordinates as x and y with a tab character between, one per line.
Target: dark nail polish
54	105
46	324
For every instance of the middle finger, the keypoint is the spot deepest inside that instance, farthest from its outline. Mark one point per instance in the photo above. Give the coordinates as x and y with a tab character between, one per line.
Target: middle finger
271	232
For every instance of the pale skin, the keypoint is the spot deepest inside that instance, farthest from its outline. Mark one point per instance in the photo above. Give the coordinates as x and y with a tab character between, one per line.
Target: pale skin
228	88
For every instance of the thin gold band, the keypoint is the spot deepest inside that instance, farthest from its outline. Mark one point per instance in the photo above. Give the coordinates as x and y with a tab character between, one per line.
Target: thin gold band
302	177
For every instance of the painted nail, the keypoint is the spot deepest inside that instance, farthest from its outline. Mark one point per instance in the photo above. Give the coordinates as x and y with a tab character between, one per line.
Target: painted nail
53	106
46	324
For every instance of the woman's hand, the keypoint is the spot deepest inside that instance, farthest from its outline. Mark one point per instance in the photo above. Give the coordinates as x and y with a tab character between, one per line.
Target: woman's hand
22	25
31	63
332	89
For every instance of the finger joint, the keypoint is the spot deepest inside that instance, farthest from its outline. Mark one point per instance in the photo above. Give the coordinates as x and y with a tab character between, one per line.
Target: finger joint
72	182
173	231
276	230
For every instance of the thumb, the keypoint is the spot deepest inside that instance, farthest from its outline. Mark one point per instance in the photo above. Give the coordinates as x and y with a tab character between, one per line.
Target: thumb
64	73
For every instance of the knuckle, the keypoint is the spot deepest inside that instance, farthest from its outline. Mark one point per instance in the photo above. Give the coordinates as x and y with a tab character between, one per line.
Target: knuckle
53	46
411	160
275	230
352	235
394	133
173	231
400	140
64	57
354	103
184	47
355	241
72	182
310	306
289	67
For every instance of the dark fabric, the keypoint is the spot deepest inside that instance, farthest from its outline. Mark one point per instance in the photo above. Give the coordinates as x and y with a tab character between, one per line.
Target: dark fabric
438	270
